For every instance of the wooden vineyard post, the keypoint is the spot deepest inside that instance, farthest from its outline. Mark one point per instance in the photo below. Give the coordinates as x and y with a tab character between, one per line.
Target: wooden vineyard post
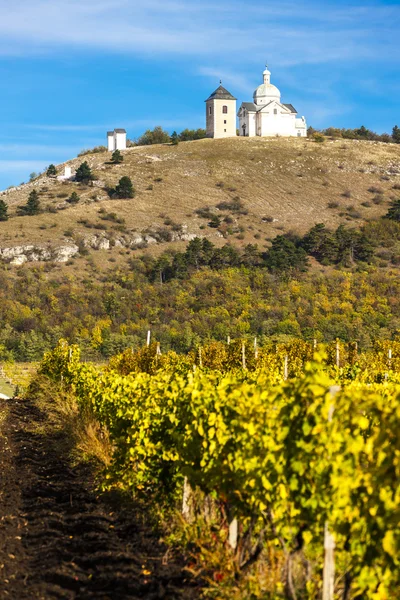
329	566
315	345
158	352
389	363
186	500
285	368
243	355
329	542
255	349
337	354
200	358
148	337
228	340
233	533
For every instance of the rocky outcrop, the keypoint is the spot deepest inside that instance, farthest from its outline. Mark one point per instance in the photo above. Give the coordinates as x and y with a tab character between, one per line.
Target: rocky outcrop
18	255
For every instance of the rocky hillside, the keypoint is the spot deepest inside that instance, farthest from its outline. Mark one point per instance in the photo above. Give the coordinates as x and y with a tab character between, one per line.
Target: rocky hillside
238	190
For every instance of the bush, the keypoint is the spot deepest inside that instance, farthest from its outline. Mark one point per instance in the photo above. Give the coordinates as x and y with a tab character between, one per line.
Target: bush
318	137
95	150
117	157
74	198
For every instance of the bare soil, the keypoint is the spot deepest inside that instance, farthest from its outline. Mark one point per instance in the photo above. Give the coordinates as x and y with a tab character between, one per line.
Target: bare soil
58	538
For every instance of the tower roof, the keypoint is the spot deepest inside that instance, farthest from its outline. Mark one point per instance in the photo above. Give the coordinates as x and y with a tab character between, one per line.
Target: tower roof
221	94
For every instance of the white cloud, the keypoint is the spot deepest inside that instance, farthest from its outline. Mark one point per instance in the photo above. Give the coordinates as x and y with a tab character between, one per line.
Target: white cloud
12	166
311	33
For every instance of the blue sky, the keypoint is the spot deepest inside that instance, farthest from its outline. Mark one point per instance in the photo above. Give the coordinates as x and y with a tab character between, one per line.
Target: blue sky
70	70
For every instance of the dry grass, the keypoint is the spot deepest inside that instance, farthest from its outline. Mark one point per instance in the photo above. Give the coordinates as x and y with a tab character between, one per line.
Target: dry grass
289	180
88	441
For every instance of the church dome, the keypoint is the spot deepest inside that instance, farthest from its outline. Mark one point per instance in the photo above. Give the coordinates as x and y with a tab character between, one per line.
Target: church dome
267	91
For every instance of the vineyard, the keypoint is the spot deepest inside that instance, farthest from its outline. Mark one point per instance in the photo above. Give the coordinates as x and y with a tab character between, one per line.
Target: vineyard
285	452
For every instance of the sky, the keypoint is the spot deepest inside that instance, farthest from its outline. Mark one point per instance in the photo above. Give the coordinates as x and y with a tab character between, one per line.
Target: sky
71	70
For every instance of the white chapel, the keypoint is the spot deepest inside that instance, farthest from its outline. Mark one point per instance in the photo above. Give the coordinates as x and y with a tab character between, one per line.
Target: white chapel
266	116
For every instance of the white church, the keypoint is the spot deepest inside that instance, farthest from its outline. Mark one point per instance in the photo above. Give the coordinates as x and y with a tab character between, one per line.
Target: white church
266	116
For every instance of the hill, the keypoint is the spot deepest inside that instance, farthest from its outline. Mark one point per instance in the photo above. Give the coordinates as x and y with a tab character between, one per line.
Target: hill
257	188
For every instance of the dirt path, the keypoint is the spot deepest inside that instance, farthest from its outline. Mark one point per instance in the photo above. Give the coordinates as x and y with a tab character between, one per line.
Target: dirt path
57	539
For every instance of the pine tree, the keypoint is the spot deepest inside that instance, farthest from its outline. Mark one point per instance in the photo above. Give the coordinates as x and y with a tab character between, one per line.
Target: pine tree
394	211
117	157
125	188
84	173
74	198
174	138
396	134
32	206
3	210
51	171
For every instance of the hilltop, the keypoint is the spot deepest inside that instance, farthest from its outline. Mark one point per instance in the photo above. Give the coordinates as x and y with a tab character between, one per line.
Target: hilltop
258	187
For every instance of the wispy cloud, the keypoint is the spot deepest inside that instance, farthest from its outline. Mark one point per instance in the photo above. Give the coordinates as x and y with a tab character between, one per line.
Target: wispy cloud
12	166
313	33
240	82
103	127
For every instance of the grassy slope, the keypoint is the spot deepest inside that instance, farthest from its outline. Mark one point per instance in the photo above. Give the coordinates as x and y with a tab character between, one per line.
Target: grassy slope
289	180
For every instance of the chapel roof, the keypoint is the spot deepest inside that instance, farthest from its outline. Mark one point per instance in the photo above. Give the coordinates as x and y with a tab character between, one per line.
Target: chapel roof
291	108
120	130
250	106
221	94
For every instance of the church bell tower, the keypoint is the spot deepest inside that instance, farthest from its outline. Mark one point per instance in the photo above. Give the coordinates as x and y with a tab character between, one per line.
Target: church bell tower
221	114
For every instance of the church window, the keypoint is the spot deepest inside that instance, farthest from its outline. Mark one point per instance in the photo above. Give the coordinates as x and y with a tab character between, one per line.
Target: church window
225	122
209	110
225	130
225	110
275	111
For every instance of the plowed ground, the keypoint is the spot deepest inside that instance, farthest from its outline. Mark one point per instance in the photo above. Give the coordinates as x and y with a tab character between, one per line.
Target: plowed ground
58	539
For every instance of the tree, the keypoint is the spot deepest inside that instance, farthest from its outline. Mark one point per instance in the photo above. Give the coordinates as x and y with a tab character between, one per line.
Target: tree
174	138
3	210
117	157
284	256
51	171
396	134
32	207
394	211
84	173
320	243
74	198
125	188
192	134
33	176
155	136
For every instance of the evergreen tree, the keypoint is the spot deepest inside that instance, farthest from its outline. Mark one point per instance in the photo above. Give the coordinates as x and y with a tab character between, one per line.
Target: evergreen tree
117	157
3	210
320	243
174	138
394	211
125	188
396	134
74	198
51	171
284	256
32	206
84	173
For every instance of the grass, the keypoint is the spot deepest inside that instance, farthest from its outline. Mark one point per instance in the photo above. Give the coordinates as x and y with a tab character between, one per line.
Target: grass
203	174
6	388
